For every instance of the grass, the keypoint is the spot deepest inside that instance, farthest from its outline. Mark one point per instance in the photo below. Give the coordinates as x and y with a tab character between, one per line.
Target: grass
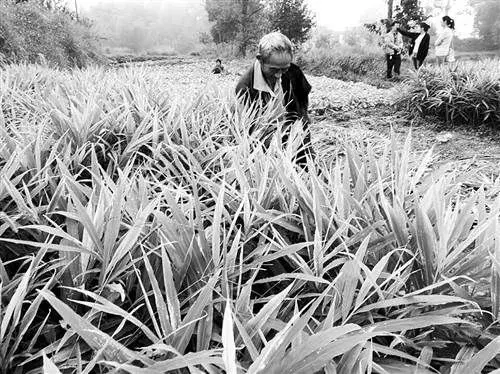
144	232
467	94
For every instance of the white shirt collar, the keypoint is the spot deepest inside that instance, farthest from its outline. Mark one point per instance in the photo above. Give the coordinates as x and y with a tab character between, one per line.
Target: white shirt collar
260	84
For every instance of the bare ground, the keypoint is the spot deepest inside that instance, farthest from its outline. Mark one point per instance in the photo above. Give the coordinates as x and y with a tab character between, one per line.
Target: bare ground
466	149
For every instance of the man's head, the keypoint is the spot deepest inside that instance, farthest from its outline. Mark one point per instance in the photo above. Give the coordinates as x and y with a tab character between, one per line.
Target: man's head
218	61
447	21
423	27
275	55
394	26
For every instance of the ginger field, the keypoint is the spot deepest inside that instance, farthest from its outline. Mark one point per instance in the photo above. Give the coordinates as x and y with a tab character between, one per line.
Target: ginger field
143	230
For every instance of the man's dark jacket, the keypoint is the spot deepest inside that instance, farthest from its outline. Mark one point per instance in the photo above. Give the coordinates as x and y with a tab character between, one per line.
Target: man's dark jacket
296	91
423	49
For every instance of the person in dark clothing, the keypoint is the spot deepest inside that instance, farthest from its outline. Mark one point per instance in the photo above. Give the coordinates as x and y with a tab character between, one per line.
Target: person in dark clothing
218	69
419	43
273	78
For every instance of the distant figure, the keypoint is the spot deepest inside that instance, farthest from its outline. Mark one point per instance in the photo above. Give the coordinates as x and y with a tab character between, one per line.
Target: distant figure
444	43
273	75
419	45
393	46
218	69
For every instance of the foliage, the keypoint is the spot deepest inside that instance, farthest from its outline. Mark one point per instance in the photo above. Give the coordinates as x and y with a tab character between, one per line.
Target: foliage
352	55
341	63
474	44
487	22
409	10
467	94
30	32
244	22
240	21
292	18
164	237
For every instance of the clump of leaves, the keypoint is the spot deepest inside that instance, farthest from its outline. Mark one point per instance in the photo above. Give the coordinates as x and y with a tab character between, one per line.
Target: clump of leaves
467	94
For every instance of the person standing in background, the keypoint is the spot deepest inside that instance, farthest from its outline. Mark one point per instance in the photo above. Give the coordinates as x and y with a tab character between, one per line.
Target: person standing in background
419	45
444	43
393	46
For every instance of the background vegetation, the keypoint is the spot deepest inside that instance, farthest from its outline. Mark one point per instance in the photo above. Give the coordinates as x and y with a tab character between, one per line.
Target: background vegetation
468	94
137	28
31	32
244	22
351	55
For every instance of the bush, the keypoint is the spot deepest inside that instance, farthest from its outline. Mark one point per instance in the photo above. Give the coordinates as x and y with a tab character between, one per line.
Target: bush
32	33
224	51
340	63
354	55
472	45
468	94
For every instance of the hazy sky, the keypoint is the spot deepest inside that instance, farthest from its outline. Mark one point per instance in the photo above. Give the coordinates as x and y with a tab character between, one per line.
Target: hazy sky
334	14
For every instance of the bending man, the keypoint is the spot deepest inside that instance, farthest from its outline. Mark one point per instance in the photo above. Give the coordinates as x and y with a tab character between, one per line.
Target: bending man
273	77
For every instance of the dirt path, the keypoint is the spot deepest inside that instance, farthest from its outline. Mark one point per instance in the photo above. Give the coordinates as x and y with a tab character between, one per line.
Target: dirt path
463	148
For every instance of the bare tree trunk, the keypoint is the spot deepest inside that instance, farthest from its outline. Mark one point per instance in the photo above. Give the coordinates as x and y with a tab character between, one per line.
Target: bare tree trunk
390	6
447	7
76	10
244	25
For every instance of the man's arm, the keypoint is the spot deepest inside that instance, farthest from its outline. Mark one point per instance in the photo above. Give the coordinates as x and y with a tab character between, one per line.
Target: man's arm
412	35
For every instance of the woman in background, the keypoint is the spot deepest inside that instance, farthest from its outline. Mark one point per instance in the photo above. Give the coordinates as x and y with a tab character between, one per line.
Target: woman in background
444	43
419	45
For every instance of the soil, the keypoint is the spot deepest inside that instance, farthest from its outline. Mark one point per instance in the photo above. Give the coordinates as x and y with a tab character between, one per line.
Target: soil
467	149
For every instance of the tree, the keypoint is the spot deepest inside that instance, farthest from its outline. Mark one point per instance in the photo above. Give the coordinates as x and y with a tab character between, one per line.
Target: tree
240	21
409	10
487	22
390	8
292	18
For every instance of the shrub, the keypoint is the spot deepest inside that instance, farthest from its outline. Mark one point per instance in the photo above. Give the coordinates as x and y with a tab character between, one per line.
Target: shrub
341	63
353	55
30	32
472	45
224	51
468	94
